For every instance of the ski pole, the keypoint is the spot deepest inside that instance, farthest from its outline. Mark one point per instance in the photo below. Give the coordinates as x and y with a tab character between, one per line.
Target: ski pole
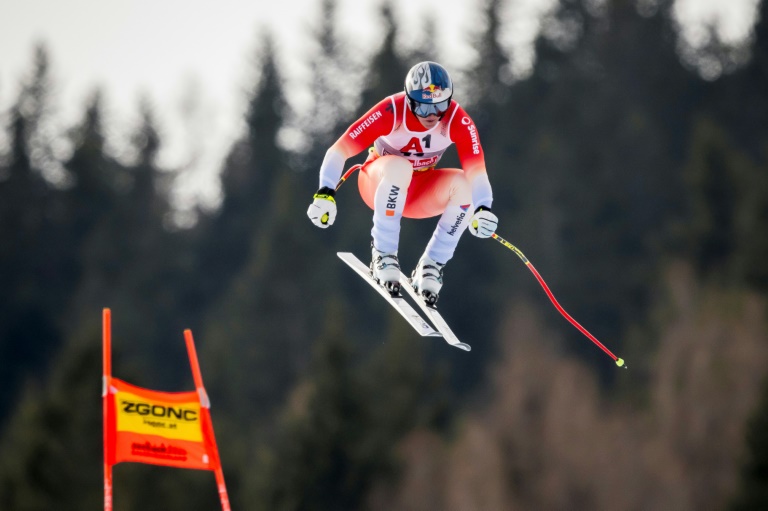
619	361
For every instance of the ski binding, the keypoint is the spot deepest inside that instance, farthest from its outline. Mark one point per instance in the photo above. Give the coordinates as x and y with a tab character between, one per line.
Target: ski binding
404	308
397	301
433	315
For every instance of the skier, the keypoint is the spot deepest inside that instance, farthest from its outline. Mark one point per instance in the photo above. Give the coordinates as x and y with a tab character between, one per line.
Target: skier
409	132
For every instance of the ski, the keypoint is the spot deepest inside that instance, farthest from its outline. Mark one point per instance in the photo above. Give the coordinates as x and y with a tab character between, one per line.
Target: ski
398	302
433	315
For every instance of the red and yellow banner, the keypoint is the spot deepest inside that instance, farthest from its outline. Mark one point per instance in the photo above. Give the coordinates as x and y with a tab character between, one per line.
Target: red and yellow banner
161	428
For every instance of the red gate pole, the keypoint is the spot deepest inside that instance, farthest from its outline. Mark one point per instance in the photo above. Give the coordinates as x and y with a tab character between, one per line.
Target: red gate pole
105	383
205	409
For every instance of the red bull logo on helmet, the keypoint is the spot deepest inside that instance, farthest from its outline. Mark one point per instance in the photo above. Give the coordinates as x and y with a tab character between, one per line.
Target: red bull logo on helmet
431	92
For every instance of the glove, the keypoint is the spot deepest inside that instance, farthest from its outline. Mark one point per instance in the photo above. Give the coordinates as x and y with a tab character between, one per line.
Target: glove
322	211
483	223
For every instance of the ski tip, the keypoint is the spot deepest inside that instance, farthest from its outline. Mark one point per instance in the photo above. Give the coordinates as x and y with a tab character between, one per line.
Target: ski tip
462	346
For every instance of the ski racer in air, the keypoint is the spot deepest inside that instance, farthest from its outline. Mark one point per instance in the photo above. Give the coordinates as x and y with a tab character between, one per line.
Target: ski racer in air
407	134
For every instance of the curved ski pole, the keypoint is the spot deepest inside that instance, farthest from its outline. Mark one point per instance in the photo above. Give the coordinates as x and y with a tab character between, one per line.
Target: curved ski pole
619	361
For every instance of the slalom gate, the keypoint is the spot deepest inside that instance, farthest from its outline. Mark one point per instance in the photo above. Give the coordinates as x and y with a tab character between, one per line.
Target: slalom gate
172	429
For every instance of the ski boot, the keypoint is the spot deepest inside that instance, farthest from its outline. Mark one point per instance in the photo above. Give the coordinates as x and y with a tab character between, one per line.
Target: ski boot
427	279
385	269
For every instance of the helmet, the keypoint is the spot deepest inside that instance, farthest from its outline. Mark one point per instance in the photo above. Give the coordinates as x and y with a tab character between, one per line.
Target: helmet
428	89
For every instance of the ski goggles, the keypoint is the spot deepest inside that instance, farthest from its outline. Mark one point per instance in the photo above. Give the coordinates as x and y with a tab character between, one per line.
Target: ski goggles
427	109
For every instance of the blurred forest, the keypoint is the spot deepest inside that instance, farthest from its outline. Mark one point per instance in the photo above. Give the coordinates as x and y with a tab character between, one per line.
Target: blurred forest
631	168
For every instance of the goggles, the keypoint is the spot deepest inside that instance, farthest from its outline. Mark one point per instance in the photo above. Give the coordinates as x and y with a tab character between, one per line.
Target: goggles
427	109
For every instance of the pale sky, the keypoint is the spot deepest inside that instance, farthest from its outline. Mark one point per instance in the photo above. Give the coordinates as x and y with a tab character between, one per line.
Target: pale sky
192	58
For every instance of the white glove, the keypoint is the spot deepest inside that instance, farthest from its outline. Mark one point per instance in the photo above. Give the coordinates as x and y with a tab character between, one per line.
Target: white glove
322	211
483	223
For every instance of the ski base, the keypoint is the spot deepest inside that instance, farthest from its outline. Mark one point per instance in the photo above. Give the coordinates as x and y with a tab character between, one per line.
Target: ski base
398	302
433	315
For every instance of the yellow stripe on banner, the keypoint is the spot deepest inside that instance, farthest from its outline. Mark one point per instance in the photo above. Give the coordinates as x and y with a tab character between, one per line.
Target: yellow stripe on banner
180	421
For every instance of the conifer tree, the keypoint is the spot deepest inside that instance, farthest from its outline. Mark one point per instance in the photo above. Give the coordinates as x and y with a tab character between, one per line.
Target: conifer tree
330	450
386	70
149	294
490	76
97	179
717	178
52	446
258	248
336	75
30	259
99	187
248	178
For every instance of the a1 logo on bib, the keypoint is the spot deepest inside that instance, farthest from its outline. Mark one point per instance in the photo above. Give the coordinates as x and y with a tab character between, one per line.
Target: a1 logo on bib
413	146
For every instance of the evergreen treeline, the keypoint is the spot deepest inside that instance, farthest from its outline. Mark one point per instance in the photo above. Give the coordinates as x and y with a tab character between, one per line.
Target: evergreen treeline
638	188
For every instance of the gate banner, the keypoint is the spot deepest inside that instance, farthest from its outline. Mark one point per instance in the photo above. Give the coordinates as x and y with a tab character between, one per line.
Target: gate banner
160	428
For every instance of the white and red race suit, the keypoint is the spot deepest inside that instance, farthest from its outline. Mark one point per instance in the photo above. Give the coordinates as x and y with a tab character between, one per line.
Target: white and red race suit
391	128
394	131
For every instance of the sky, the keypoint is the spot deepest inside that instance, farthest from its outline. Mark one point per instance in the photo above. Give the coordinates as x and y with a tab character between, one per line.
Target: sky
192	59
